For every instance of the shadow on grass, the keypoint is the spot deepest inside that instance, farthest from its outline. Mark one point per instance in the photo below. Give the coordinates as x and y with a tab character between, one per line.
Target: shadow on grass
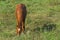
48	27
45	28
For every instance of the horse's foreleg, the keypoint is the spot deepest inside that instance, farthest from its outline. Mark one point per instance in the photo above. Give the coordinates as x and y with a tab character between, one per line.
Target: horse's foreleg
23	26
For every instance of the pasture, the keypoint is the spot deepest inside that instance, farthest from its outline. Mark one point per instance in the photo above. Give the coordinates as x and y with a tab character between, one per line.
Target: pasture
42	21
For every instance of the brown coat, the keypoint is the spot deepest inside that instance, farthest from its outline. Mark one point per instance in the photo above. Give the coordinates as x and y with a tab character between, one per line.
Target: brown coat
20	17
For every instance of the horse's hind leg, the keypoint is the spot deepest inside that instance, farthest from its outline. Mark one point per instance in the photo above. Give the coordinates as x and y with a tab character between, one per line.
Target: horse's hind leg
19	29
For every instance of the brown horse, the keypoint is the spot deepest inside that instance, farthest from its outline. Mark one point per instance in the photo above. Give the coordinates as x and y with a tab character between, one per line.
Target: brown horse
20	16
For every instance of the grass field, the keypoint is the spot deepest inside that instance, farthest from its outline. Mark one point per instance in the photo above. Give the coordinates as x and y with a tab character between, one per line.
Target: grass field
42	21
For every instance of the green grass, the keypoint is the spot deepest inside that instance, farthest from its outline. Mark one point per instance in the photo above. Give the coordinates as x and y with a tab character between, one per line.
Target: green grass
40	12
